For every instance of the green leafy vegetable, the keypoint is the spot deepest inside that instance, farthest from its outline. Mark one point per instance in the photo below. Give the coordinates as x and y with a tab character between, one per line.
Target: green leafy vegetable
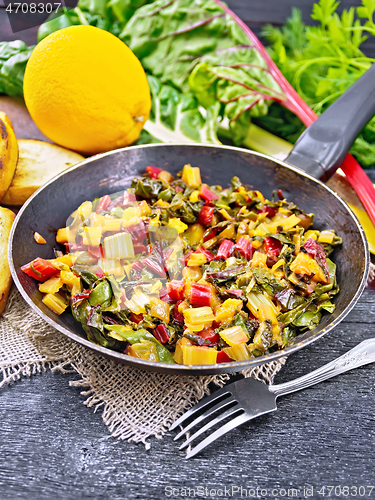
321	62
13	59
175	117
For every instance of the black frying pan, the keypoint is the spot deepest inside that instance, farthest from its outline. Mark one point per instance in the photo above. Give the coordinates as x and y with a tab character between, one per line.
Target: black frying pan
318	152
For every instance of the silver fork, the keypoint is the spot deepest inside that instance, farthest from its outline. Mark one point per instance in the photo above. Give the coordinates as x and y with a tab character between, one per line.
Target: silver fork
247	398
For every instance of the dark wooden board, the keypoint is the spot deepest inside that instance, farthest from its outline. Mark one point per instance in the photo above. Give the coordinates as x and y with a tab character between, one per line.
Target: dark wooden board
53	447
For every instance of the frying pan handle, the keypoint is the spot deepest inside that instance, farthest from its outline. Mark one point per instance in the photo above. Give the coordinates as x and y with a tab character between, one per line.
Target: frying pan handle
323	146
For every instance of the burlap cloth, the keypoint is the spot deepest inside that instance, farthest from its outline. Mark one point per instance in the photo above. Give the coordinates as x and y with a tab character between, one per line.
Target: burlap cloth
135	404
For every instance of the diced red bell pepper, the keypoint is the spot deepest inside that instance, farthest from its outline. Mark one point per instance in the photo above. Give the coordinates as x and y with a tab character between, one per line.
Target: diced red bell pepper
103	203
153	171
161	334
210	335
97	252
165	297
200	295
175	290
98	271
40	269
245	247
207	194
209	256
222	357
206	214
270	211
177	316
272	247
225	249
136	318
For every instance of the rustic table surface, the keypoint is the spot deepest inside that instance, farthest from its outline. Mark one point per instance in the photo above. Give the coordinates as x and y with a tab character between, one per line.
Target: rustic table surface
53	447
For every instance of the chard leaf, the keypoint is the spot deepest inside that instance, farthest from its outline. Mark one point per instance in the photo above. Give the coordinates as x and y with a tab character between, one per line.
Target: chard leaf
175	117
308	319
267	280
195	46
13	59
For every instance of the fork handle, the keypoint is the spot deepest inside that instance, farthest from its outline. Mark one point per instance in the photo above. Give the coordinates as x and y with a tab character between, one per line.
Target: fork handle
362	354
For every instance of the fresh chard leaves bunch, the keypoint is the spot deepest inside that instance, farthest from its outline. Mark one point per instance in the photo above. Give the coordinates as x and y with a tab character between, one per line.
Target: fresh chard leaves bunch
13	59
321	62
197	47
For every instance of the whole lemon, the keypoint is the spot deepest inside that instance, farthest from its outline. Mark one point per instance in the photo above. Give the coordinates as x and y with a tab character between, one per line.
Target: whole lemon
86	90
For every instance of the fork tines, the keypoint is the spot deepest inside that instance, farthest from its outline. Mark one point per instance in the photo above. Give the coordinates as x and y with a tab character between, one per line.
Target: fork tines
224	401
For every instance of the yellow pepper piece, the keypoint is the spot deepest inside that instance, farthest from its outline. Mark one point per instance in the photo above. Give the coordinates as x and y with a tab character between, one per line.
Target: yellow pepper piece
192	176
145	349
55	302
198	355
130	216
226	311
194	196
65	235
92	236
52	285
162	204
112	266
165	176
197	259
326	237
194	233
192	273
96	220
225	214
238	352
198	318
159	309
111	224
229	233
178	225
234	335
259	259
311	233
287	223
259	195
144	208
84	210
73	281
307	265
178	356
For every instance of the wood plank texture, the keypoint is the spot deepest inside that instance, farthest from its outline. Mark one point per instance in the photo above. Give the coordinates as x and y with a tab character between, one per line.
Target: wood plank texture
54	447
